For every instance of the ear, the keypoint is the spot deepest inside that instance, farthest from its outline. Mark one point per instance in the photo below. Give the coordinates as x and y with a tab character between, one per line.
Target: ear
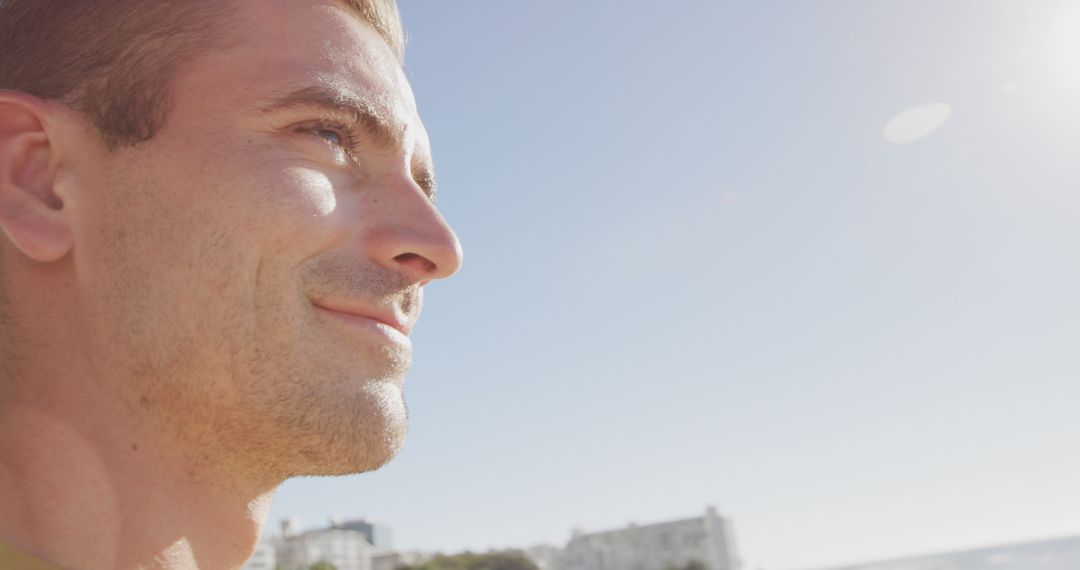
32	214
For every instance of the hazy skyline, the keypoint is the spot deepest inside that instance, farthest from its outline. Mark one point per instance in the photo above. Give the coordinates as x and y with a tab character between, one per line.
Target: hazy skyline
704	266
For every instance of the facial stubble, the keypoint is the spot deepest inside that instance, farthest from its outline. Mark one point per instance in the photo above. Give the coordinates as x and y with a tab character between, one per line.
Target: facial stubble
235	365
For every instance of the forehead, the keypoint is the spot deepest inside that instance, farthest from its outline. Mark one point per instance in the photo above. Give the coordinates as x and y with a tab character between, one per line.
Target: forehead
285	46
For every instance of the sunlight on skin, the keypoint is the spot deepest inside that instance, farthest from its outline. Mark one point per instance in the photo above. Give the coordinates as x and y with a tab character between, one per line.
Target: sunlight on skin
318	188
916	123
177	555
58	433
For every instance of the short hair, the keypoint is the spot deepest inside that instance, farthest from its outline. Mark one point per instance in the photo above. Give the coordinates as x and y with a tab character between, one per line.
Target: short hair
114	60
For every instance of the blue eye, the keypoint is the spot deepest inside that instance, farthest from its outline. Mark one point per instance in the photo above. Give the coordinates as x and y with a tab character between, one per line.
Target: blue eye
333	137
335	133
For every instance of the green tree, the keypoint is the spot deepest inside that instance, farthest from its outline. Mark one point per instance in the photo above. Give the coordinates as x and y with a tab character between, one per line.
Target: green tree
692	565
470	561
322	565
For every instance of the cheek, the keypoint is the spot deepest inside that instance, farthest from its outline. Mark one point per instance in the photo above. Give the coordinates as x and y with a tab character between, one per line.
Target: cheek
150	276
314	190
296	214
213	236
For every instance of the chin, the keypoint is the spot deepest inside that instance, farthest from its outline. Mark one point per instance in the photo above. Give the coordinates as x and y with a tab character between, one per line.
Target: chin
361	439
361	460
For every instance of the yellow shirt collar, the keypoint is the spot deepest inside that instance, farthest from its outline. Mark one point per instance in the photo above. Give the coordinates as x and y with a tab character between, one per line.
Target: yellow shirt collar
14	559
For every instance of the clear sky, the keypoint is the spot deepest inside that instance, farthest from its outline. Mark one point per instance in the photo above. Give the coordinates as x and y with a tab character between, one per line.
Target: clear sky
709	259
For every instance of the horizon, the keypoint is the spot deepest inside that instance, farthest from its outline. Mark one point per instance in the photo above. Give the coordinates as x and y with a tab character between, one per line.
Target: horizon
1026	542
813	263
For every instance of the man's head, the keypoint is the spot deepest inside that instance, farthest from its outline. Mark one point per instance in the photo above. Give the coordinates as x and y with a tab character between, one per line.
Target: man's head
226	210
114	59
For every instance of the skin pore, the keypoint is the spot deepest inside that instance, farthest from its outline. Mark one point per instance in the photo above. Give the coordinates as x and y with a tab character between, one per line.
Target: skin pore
175	333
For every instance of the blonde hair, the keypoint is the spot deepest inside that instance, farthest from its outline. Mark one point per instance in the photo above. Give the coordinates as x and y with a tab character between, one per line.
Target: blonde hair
115	59
383	15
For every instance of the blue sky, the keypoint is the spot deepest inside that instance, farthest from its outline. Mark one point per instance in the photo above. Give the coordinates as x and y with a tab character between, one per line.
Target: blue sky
697	273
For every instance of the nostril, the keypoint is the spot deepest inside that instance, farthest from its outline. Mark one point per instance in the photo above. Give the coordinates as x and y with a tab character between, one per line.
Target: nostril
419	262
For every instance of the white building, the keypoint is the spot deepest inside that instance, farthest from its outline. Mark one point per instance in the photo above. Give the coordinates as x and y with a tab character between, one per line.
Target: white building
379	535
708	540
345	549
264	558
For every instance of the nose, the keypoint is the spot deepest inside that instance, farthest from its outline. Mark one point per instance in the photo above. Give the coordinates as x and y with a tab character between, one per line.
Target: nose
410	236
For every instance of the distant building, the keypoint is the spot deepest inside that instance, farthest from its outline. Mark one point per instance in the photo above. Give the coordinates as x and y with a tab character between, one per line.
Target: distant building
378	535
1059	554
708	540
345	549
290	527
264	558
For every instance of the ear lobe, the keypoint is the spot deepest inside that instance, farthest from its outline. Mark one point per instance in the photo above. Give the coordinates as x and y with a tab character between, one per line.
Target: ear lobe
32	215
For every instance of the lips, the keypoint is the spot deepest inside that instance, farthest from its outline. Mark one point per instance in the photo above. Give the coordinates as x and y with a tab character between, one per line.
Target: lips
386	317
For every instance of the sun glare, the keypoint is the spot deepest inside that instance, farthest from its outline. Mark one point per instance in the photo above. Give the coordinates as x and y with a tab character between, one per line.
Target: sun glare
1063	47
916	123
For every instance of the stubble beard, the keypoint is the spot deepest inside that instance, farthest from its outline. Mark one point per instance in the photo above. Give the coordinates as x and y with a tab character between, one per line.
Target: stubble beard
280	412
325	419
218	347
266	392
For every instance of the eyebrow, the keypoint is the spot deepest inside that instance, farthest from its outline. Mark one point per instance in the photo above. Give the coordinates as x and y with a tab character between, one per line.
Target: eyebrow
379	127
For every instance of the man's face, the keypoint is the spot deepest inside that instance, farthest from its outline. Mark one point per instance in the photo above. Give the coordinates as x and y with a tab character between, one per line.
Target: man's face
217	261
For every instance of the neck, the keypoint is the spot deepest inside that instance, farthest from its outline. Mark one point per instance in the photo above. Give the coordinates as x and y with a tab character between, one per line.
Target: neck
77	464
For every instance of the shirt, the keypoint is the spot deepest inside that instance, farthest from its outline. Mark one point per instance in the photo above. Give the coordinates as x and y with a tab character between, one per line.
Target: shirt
12	558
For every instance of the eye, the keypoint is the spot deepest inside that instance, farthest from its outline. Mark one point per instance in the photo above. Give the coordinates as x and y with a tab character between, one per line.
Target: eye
333	132
331	136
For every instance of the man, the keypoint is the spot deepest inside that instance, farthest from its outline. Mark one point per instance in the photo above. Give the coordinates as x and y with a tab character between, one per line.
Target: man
218	216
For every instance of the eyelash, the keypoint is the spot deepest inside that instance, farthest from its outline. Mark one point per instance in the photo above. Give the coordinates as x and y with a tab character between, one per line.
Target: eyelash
345	133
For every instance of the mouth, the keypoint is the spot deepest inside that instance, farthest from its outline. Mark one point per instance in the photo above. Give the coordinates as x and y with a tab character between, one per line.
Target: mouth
385	321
